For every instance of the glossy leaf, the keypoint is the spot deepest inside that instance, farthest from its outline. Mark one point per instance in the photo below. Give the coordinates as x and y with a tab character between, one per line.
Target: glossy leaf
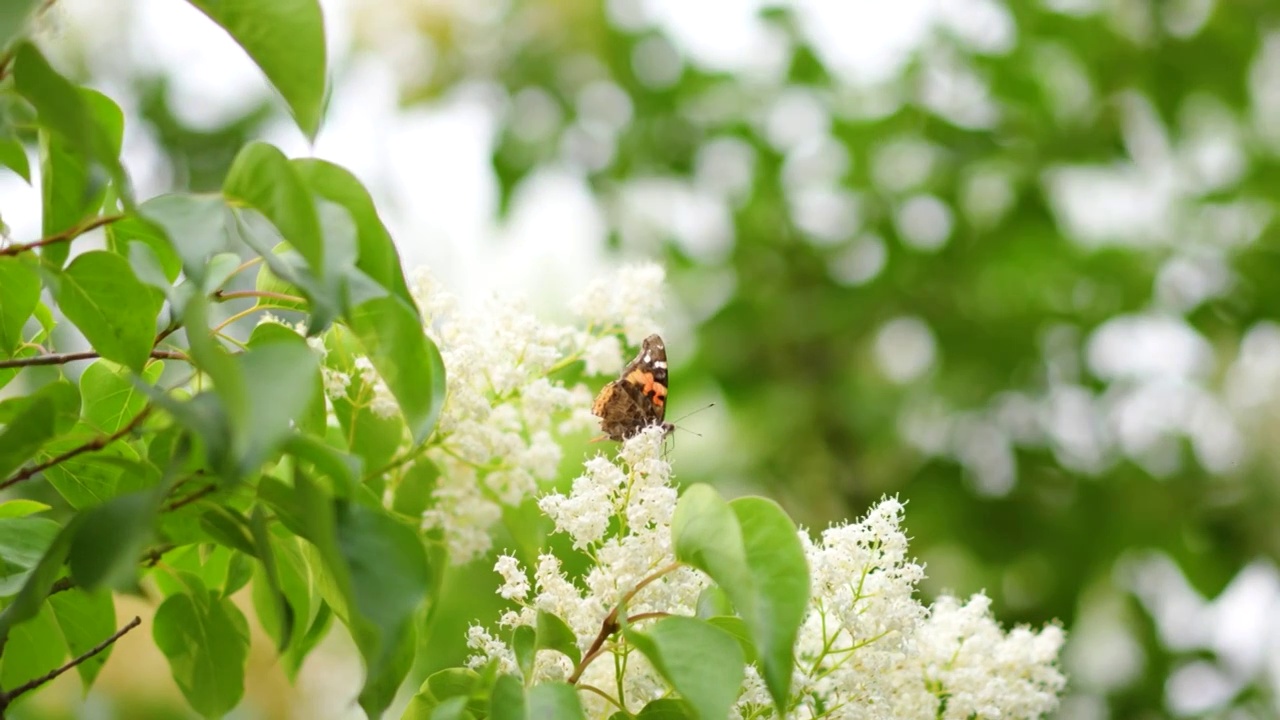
286	40
408	361
702	662
115	311
206	640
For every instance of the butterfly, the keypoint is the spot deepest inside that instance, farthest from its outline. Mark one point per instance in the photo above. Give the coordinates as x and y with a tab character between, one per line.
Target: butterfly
638	398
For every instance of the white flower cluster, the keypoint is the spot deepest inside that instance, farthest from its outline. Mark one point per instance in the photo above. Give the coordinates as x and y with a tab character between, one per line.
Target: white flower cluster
497	435
867	648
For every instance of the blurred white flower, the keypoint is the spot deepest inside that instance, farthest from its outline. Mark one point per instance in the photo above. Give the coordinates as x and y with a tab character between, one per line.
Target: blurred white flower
630	299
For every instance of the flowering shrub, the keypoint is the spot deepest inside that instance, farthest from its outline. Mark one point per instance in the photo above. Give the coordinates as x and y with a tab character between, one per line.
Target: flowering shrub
267	403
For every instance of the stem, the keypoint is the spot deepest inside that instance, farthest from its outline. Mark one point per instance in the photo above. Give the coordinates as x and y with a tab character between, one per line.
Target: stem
64	358
224	295
8	697
206	490
95	444
610	624
67	235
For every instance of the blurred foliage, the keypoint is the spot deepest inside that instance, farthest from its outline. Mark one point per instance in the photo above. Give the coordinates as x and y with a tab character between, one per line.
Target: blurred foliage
1011	294
1009	442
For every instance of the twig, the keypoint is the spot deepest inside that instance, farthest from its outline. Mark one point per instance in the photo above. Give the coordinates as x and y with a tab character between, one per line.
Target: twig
610	624
206	490
64	358
224	295
8	697
95	444
67	235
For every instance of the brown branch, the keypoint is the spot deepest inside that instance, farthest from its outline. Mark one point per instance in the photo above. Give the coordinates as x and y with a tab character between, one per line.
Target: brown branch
8	697
64	358
206	490
95	444
610	624
67	235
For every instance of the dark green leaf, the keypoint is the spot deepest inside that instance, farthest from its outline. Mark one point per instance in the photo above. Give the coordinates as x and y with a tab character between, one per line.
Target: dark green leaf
94	478
281	379
206	640
702	662
35	647
117	313
85	620
111	538
286	40
524	646
407	360
262	178
281	609
71	191
412	495
36	588
554	634
32	421
553	700
312	421
667	709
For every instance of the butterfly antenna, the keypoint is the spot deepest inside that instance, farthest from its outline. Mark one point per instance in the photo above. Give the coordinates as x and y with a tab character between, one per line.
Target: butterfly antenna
708	406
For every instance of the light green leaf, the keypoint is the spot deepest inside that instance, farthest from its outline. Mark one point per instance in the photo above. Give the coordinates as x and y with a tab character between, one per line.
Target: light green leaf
71	191
702	662
31	421
35	647
21	508
780	576
21	294
94	478
206	639
85	620
192	226
41	578
409	363
281	379
117	313
109	399
667	709
286	40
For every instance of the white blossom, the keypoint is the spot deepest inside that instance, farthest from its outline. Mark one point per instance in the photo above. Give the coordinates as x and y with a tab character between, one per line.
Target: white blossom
630	299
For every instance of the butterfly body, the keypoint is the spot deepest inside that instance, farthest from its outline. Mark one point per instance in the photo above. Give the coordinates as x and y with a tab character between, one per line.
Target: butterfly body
638	398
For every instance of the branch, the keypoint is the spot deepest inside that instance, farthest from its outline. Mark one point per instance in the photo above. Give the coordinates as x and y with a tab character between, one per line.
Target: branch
225	295
611	625
64	358
95	444
206	490
8	697
67	235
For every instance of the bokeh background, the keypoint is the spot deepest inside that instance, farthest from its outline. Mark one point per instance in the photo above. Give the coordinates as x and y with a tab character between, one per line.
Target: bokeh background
1015	262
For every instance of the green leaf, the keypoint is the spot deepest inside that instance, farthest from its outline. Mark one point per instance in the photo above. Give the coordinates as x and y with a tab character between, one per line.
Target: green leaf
736	627
117	314
413	493
71	191
21	295
523	646
84	123
32	421
702	662
14	16
706	535
110	539
94	478
554	700
281	608
667	709
780	576
281	381
409	363
34	648
136	236
39	581
194	226
389	578
262	178
313	420
13	155
206	639
23	541
377	257
110	400
85	620
286	40
21	508
555	634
